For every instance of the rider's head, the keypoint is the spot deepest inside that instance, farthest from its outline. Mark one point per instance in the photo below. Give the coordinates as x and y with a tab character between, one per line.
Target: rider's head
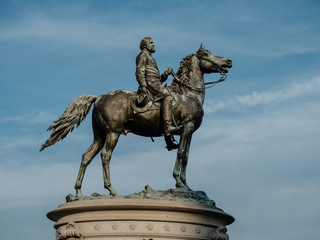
147	43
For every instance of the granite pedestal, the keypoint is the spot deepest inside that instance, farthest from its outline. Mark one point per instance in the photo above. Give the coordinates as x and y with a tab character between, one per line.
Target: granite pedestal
139	219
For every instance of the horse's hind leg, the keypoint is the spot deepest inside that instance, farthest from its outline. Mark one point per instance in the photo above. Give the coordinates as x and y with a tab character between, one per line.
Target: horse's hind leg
87	157
110	143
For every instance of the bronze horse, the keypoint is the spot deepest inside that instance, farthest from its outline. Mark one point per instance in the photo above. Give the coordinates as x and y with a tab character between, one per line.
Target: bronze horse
112	115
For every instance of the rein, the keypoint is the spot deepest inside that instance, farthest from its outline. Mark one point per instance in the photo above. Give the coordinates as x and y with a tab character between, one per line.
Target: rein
213	83
222	78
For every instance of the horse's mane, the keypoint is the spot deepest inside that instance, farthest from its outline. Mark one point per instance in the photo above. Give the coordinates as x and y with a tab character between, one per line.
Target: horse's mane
182	84
183	75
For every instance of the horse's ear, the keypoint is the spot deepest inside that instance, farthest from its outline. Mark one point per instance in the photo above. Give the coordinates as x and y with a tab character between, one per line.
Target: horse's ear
201	47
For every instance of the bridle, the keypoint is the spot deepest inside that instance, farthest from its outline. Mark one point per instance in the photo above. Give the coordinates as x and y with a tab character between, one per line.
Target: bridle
211	84
222	73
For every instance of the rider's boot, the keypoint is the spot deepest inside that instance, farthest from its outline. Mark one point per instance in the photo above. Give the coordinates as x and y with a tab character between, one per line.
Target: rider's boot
169	129
171	144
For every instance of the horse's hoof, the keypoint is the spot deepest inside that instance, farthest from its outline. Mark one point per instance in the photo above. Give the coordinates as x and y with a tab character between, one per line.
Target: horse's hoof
180	185
183	187
78	194
113	192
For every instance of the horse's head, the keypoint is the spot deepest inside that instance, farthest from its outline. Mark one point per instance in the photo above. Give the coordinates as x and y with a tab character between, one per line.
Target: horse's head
210	63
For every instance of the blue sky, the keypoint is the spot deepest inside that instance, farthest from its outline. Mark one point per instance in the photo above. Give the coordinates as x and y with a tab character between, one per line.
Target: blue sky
257	152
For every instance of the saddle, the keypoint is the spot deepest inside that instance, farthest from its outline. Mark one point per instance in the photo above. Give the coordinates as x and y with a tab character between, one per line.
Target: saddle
141	103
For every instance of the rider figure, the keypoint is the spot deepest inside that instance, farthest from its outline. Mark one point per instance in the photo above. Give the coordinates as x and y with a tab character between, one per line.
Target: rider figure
150	81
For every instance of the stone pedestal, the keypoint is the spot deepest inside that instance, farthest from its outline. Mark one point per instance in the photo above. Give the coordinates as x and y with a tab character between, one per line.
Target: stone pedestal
139	219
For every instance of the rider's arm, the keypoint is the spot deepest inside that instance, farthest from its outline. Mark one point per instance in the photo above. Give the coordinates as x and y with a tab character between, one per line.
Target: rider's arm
141	62
167	72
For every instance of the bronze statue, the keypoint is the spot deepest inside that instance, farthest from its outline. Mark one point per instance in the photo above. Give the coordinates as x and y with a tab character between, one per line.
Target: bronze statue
150	85
115	113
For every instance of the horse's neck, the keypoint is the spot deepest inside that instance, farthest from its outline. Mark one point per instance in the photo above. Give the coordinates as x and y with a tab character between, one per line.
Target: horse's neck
196	80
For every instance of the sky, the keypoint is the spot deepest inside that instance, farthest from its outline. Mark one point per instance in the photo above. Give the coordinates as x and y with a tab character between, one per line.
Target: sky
257	151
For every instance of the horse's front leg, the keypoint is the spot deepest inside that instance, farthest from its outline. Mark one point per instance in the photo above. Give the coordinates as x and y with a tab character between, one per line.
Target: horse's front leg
184	163
179	171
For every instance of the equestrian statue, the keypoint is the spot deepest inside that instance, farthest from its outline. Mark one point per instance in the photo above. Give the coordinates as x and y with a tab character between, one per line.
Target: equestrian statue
153	111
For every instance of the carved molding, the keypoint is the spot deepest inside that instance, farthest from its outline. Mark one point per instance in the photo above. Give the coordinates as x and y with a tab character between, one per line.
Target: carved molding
219	234
183	229
167	228
132	227
115	227
97	227
71	231
198	230
150	227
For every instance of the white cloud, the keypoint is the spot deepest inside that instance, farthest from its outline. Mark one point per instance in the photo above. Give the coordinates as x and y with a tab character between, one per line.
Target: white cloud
32	185
261	168
283	93
94	32
31	117
260	35
27	184
18	142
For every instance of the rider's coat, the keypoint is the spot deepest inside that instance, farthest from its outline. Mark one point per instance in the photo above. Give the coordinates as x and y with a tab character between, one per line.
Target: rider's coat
148	75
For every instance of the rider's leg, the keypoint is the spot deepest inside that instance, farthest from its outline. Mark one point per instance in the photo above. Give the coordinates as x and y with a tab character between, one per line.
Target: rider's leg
166	109
167	117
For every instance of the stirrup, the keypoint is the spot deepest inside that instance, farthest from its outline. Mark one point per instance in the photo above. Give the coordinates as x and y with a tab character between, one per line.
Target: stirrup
172	144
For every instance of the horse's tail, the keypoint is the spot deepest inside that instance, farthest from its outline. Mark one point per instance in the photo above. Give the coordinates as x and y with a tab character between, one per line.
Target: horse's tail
74	114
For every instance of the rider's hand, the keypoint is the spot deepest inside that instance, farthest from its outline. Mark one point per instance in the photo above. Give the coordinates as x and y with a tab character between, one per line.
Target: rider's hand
143	90
169	70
